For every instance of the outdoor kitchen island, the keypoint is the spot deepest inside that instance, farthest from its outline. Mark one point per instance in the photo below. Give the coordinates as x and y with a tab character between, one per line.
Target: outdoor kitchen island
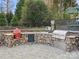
65	40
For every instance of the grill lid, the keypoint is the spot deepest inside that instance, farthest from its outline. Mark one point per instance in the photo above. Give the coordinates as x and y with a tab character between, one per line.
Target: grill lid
60	34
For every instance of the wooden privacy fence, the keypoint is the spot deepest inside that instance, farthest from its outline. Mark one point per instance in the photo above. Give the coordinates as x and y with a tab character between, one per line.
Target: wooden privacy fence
63	24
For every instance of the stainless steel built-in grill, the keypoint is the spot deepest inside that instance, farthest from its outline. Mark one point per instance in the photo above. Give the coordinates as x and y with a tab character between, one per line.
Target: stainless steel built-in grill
65	39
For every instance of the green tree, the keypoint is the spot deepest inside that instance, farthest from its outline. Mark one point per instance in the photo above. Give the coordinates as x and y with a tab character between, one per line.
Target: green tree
14	21
9	17
36	12
59	7
7	7
2	19
18	12
69	3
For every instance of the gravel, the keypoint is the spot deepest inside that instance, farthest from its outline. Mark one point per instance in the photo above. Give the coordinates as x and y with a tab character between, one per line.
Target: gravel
36	51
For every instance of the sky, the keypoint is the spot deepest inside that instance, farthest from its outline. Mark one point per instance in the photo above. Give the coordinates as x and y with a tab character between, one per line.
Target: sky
14	4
